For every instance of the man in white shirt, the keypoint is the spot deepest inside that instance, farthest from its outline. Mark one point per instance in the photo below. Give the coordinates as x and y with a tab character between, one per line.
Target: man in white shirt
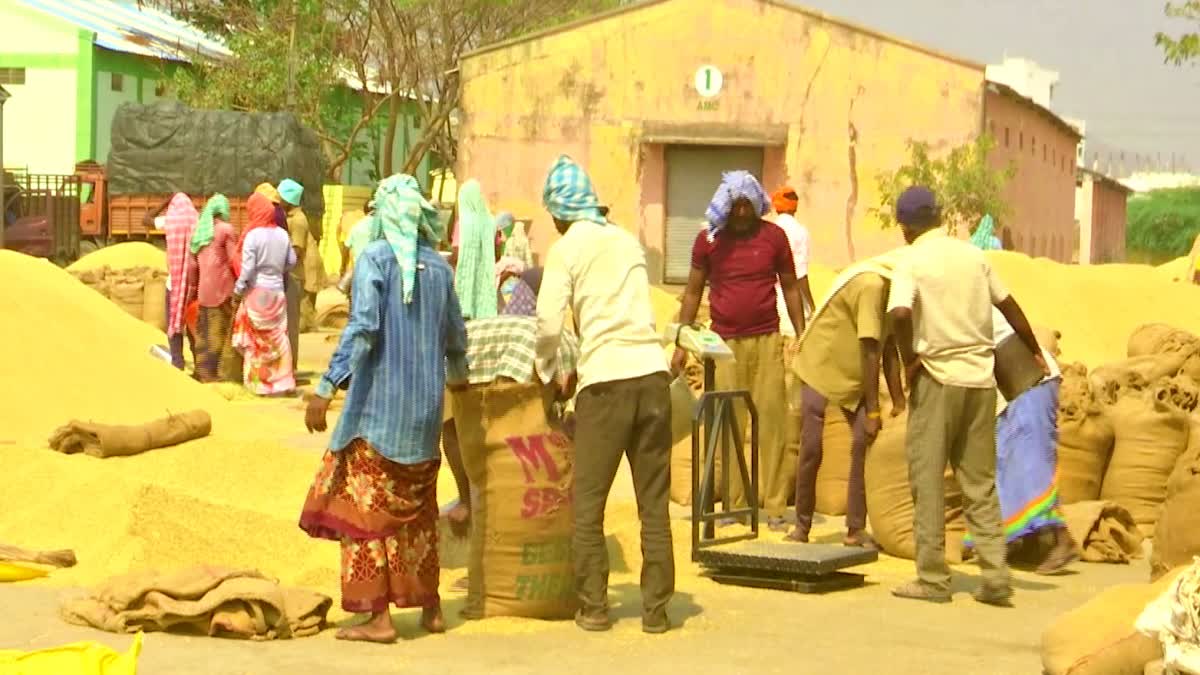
941	300
786	202
598	271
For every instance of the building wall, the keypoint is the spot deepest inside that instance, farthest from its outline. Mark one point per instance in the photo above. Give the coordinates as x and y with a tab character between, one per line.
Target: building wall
1109	218
40	118
607	92
1084	194
139	79
1041	196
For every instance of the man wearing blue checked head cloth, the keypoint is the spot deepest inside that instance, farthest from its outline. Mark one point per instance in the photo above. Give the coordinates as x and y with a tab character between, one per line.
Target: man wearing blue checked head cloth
598	271
741	258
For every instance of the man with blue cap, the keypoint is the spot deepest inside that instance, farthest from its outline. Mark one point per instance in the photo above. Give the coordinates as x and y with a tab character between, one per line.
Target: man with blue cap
305	279
598	272
941	300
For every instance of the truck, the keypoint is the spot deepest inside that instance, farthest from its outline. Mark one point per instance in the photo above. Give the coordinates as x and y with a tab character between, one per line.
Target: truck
159	150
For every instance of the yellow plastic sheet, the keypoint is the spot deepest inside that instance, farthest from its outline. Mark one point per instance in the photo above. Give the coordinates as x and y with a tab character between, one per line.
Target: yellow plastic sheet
14	572
80	658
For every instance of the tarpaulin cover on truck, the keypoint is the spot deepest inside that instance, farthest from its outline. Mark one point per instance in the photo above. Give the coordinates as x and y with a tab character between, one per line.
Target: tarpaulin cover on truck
168	147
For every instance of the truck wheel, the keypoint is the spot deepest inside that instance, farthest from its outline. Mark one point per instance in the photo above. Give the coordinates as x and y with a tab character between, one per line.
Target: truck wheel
87	246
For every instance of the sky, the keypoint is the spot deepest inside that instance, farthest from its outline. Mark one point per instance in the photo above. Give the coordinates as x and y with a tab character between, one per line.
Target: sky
1111	74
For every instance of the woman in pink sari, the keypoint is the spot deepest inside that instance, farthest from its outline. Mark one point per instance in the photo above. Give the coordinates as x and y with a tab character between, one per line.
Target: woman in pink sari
260	326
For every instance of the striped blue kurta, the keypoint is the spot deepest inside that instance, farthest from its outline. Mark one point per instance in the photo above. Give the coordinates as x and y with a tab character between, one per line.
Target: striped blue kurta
395	357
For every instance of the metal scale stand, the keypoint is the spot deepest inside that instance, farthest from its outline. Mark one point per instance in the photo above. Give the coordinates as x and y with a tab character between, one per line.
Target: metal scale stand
743	559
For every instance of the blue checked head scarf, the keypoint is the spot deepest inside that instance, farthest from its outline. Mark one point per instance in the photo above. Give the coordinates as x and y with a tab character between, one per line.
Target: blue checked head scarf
985	235
569	196
402	216
735	185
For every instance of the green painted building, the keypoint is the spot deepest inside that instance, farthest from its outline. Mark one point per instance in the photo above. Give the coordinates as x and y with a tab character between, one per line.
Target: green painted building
69	64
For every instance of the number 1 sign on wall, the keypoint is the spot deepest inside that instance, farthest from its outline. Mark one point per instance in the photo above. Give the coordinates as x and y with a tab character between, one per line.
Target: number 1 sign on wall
709	81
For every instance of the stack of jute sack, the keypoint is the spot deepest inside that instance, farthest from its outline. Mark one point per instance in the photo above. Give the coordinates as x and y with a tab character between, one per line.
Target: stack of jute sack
140	291
1129	435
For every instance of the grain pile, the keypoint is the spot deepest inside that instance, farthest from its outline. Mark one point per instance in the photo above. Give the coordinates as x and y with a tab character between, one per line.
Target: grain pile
123	256
1096	307
76	355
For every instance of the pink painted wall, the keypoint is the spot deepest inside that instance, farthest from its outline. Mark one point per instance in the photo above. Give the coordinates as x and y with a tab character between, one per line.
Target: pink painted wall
604	90
1041	196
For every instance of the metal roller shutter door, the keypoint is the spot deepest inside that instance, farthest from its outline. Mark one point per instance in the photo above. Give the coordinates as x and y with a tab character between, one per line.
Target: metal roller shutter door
693	173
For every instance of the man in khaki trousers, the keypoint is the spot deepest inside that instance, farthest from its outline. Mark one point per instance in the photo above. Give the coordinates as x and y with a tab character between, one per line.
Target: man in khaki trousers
941	302
741	258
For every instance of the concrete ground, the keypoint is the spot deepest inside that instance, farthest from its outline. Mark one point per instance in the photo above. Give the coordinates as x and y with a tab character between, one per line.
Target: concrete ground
721	629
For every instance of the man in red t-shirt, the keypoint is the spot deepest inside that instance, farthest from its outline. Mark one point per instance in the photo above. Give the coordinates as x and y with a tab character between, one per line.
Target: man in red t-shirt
741	257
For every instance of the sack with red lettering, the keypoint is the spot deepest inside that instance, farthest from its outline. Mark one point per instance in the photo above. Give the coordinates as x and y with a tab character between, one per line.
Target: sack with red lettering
522	518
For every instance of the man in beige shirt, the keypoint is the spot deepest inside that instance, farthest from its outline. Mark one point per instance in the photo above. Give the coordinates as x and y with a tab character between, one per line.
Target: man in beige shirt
304	279
838	361
941	303
598	271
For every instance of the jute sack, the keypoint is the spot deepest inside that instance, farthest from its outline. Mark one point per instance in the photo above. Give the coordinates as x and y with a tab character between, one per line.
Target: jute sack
105	440
154	308
681	472
834	474
889	497
1151	432
521	473
1177	533
1099	638
1148	339
681	451
1085	442
1112	381
129	294
1048	338
91	277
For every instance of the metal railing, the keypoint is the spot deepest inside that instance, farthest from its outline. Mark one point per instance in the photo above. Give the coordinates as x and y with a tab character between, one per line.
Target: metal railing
54	197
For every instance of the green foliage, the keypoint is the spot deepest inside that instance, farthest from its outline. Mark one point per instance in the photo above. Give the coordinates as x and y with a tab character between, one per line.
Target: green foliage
1185	47
1164	222
967	187
265	36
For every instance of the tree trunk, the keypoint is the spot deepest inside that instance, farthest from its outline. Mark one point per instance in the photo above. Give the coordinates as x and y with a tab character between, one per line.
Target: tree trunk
389	138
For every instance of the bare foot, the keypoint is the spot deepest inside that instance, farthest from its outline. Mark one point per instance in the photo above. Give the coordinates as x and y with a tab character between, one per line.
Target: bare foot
432	620
378	629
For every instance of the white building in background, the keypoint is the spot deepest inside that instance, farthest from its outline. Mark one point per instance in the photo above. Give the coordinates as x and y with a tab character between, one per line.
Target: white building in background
1146	181
1025	77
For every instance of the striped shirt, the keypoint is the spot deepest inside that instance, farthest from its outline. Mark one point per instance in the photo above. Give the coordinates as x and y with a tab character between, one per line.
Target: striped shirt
400	356
506	346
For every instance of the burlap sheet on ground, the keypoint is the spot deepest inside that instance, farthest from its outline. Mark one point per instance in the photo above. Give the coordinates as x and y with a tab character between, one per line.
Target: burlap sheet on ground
1104	532
105	440
208	600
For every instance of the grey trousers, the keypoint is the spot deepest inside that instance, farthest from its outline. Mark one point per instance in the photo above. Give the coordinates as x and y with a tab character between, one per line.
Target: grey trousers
955	425
631	418
294	291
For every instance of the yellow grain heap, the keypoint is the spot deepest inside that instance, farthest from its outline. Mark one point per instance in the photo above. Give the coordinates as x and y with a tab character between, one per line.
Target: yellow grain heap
70	353
1096	307
123	256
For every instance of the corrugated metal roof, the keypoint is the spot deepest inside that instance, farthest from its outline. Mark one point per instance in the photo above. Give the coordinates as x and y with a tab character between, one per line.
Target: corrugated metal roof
123	26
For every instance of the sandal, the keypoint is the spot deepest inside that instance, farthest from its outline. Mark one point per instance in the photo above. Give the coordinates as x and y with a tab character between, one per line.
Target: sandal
918	591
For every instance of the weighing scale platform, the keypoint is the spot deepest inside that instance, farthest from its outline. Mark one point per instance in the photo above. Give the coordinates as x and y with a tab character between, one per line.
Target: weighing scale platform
804	568
745	560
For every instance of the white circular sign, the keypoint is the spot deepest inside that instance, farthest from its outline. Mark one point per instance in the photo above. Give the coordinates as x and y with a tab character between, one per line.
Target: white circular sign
709	81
